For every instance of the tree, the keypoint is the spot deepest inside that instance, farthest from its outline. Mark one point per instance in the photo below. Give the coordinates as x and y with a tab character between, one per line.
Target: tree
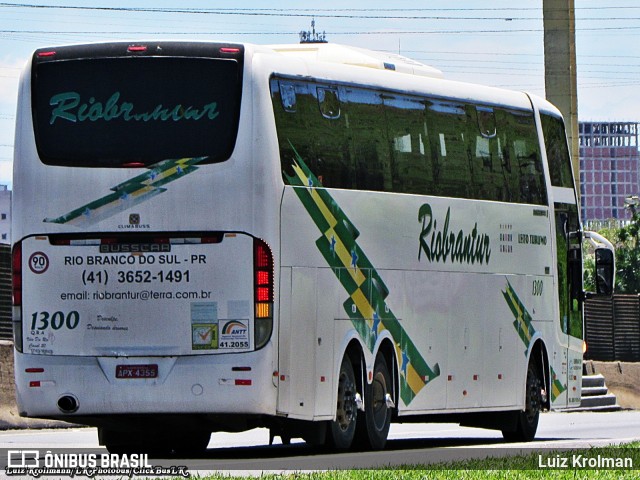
626	240
628	257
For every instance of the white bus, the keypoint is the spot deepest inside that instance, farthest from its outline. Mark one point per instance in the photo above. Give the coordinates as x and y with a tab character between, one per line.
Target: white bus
314	239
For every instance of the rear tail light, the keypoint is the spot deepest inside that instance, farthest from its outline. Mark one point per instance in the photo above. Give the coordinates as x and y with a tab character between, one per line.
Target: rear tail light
16	264
263	292
137	48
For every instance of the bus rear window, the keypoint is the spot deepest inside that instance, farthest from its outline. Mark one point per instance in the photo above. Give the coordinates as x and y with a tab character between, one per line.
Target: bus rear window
123	111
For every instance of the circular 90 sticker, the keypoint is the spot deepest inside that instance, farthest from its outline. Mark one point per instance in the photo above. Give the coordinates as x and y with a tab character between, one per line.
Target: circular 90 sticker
38	262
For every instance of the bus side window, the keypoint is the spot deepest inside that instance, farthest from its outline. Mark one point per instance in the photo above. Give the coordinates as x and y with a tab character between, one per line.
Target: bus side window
411	168
504	167
447	126
360	138
309	124
292	105
483	152
364	120
557	149
526	159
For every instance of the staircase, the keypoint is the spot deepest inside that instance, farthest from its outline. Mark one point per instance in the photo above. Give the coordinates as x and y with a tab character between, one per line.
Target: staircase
596	396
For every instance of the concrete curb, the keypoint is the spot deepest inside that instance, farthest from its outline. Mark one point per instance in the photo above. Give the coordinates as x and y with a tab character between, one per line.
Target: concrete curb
9	420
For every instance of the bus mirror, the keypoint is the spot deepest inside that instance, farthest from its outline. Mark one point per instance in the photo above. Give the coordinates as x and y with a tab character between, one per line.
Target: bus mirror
604	271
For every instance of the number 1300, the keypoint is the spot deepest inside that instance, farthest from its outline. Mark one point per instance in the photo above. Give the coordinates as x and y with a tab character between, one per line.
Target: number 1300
55	320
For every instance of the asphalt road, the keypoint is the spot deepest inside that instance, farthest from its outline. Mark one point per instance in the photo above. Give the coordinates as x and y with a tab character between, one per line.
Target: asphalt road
249	452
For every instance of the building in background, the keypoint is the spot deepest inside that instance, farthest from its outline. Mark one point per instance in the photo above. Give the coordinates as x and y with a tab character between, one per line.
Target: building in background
609	164
5	214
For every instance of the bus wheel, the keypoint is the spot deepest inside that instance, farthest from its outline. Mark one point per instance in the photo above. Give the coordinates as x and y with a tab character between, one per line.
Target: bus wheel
342	429
527	422
377	406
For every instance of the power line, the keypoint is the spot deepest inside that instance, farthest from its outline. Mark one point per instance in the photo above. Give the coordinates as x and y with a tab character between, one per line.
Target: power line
308	12
360	32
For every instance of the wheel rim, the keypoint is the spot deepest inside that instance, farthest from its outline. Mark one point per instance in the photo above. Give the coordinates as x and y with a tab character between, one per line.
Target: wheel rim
379	392
533	397
346	411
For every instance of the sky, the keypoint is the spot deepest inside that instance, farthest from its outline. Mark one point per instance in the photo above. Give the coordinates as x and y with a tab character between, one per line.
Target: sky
495	42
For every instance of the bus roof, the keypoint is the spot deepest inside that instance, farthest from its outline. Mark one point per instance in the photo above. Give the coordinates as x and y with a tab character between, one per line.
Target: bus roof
330	61
347	55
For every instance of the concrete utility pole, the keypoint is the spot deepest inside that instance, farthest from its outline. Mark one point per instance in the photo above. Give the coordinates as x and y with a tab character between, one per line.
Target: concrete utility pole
560	81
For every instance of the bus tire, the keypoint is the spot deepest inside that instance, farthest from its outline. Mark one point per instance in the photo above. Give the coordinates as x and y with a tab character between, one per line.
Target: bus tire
342	430
527	420
377	413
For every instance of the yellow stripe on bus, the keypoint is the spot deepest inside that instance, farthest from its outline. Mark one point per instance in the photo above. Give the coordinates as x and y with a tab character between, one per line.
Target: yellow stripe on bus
345	257
555	391
141	191
366	310
414	380
326	213
114	203
520	318
343	253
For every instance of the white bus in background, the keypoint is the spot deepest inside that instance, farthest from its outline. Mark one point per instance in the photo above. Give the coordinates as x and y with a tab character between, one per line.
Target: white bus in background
315	239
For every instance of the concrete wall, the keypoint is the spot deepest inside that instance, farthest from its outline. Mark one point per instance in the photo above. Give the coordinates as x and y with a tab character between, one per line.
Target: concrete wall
7	388
622	378
9	416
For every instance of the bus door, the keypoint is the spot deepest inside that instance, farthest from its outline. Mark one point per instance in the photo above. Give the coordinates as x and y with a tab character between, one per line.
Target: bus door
569	258
566	387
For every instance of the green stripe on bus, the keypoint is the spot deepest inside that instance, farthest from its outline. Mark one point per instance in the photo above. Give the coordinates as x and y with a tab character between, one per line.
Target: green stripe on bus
366	306
523	321
132	192
524	327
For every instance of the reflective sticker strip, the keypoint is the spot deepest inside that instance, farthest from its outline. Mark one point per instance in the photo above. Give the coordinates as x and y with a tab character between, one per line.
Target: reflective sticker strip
366	306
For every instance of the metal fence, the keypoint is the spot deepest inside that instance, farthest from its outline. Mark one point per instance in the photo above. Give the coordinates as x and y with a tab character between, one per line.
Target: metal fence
5	292
612	328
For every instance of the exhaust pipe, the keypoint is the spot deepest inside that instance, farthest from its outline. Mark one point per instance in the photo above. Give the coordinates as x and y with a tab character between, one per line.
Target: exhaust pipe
68	404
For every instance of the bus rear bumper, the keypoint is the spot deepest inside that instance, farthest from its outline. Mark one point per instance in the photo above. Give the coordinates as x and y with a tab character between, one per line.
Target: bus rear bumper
65	387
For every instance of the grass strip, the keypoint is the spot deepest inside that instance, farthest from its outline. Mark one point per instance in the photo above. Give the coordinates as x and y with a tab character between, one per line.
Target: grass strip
579	464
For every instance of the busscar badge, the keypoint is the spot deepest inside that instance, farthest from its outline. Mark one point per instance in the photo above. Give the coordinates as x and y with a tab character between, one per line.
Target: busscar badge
134	219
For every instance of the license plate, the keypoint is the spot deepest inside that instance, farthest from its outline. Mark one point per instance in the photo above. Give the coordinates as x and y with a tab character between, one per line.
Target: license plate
137	371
